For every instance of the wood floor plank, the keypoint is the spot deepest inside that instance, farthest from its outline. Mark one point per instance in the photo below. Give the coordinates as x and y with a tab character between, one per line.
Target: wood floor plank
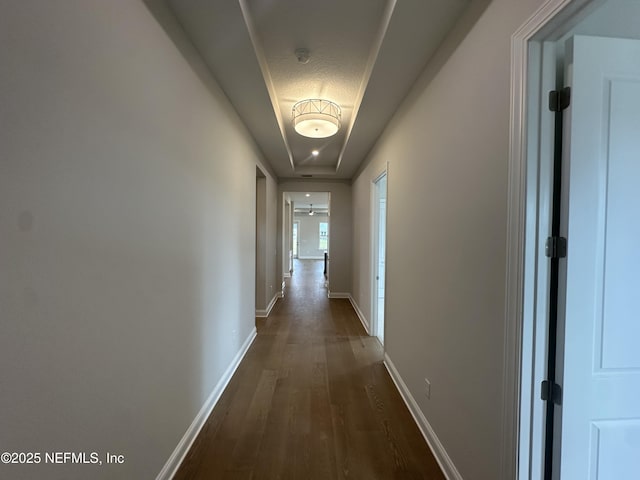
310	400
246	450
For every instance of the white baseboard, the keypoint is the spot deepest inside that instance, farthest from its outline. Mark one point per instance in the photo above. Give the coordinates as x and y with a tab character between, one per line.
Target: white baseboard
265	313
360	315
446	464
171	467
338	295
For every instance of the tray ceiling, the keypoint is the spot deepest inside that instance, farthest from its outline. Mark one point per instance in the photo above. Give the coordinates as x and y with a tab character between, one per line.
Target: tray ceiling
364	55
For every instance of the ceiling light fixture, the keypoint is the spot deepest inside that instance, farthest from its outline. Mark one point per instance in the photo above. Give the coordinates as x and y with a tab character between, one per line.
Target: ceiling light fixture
316	118
315	153
307	194
311	209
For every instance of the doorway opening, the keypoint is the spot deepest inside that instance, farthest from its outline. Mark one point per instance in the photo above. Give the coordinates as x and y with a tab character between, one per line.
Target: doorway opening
306	238
379	255
579	372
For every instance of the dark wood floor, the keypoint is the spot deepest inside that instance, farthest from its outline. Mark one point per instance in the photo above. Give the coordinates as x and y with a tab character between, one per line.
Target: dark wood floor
310	400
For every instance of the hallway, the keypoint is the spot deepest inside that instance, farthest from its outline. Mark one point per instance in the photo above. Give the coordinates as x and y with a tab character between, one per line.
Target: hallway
310	400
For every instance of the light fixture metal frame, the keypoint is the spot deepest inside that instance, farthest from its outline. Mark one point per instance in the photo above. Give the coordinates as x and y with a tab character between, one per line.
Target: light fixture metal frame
319	110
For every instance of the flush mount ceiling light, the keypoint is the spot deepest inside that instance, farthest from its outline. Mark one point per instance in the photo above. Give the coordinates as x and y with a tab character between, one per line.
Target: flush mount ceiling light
315	153
316	118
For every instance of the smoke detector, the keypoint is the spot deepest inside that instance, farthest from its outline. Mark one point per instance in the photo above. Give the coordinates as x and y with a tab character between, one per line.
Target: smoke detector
302	54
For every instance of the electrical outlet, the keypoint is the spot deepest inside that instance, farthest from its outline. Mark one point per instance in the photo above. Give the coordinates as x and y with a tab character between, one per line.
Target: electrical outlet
427	388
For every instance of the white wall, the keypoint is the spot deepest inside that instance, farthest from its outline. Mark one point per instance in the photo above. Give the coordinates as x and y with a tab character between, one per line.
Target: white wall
447	149
340	229
127	217
309	235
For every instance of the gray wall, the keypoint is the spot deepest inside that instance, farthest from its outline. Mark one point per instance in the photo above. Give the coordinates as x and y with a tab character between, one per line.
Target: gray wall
267	285
447	149
286	246
272	282
261	241
127	225
340	234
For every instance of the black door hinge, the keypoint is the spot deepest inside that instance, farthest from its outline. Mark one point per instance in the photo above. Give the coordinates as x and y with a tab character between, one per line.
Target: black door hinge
551	392
559	100
556	247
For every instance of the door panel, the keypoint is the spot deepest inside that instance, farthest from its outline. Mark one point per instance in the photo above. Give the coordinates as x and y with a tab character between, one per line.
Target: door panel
601	371
617	445
619	328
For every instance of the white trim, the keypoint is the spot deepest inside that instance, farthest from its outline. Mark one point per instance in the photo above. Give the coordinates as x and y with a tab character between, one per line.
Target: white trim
338	295
363	319
310	258
265	313
515	258
171	467
516	234
442	457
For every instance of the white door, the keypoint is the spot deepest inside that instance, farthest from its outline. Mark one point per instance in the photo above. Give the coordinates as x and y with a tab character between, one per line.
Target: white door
295	239
601	372
379	254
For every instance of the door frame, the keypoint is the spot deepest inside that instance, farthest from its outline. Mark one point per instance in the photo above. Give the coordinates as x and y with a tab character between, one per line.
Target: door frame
375	224
529	209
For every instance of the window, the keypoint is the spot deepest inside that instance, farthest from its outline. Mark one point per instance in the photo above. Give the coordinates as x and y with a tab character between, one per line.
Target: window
324	226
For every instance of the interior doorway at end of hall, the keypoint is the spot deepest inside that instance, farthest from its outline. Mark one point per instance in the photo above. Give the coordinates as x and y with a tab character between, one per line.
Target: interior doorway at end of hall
307	231
379	234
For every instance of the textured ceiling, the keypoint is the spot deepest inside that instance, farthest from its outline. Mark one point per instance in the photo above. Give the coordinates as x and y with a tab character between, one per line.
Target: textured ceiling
364	56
